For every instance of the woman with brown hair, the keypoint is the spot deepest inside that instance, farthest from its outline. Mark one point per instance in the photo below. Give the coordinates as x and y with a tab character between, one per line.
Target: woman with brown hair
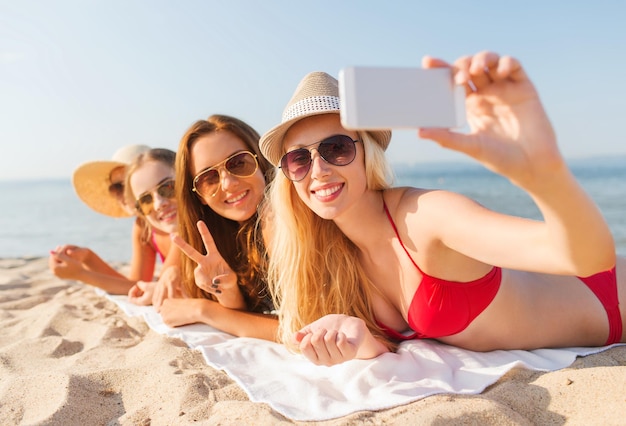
220	184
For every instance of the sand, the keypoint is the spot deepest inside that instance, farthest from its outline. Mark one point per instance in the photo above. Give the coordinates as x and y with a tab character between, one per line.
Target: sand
70	357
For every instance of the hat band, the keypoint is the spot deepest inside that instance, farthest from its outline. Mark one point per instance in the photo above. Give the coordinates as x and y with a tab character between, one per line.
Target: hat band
312	105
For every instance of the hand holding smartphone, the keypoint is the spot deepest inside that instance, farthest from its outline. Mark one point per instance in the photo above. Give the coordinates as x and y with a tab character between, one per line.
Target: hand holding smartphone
374	98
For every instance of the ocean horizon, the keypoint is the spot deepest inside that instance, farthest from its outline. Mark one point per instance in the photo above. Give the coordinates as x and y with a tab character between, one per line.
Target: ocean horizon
40	214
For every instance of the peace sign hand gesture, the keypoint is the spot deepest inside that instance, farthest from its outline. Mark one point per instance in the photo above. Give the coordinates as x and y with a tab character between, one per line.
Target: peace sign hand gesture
212	274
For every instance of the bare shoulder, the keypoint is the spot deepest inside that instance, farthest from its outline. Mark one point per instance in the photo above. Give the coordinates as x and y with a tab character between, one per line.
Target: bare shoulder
409	200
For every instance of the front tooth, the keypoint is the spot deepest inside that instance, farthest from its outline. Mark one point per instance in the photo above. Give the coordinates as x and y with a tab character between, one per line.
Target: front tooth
234	200
328	191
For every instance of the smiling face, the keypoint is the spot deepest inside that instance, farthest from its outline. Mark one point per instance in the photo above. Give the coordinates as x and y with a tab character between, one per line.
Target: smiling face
145	180
235	197
327	190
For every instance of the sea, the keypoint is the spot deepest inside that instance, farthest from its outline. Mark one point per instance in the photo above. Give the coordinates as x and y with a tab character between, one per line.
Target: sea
39	215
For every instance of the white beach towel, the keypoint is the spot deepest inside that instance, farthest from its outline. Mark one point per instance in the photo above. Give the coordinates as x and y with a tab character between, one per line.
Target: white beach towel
302	391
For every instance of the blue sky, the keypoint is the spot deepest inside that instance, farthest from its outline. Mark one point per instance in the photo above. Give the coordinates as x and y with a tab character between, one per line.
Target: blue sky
79	79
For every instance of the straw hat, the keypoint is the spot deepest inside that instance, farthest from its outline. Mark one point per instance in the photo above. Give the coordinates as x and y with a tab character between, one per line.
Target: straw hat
91	181
317	93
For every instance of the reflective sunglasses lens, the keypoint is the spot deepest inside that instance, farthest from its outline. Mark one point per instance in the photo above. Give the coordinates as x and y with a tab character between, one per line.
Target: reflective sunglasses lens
144	204
116	189
146	201
166	189
205	181
242	165
296	164
338	150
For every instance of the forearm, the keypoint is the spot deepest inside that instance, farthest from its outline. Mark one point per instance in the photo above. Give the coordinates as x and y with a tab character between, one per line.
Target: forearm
110	284
575	227
95	263
238	323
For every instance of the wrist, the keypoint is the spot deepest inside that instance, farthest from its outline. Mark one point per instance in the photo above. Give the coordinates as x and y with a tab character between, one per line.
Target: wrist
231	301
202	312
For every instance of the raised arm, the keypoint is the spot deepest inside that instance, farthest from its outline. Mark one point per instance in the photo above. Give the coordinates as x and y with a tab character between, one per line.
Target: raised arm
512	135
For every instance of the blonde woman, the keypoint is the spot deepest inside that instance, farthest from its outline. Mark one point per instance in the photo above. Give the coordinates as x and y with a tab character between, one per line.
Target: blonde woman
363	265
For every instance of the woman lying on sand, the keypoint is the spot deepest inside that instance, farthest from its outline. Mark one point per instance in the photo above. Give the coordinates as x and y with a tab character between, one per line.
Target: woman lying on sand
100	185
363	265
221	178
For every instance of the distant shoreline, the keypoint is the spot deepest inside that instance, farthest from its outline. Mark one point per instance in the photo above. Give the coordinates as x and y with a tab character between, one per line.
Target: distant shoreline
618	160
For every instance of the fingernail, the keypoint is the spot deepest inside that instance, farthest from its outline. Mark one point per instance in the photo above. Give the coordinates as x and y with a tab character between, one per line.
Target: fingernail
215	281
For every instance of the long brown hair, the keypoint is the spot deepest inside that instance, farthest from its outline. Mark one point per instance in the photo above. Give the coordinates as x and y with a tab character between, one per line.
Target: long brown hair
241	245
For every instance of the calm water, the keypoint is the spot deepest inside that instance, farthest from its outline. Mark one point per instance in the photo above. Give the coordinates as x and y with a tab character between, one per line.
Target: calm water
37	216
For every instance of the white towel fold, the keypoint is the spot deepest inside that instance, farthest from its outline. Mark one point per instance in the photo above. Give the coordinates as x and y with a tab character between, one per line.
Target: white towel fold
302	391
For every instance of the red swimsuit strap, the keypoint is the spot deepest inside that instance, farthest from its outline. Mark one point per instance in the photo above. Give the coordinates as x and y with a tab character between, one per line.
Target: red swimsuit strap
393	225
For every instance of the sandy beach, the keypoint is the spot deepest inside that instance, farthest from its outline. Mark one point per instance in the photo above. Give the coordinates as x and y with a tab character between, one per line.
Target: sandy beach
69	356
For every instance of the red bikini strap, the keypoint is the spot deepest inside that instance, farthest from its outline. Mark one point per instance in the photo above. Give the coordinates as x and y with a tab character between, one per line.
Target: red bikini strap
393	225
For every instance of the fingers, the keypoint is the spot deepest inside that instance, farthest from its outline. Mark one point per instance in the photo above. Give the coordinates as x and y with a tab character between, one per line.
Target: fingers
214	285
298	336
61	256
510	68
207	238
192	253
485	68
140	293
163	292
430	62
177	312
474	72
135	292
158	297
325	347
186	248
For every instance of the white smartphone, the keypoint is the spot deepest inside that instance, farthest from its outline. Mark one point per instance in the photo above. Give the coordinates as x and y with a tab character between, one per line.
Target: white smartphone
399	98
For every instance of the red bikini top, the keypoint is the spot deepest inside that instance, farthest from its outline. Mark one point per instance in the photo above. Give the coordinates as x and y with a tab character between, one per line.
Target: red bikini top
442	308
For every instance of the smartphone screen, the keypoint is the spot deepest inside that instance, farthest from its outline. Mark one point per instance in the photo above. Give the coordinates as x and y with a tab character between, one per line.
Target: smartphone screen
400	98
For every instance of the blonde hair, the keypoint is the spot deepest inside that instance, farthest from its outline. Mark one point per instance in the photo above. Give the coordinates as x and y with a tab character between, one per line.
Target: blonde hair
314	269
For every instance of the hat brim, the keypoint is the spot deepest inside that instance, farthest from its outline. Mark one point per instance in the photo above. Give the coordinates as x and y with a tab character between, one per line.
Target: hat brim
271	142
91	183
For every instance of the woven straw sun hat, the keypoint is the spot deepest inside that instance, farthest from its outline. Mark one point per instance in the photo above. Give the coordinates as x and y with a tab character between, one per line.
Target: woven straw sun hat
92	180
317	93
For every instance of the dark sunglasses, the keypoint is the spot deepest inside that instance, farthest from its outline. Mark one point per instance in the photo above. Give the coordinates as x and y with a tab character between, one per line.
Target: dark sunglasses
116	189
338	150
145	202
241	164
